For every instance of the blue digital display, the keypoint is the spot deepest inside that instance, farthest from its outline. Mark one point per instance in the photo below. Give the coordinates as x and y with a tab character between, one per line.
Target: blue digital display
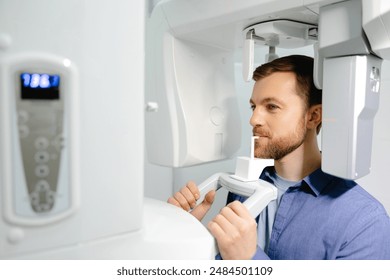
39	86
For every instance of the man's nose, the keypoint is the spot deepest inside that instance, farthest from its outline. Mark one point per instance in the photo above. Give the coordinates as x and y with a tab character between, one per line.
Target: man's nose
257	118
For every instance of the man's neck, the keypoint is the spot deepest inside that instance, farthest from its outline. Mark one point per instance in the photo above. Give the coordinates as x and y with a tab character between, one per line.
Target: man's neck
300	163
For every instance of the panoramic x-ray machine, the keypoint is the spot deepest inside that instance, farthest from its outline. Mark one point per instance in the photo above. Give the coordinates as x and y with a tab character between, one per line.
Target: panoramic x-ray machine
75	109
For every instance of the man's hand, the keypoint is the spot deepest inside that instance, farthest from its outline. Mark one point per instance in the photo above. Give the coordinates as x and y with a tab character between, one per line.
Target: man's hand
186	199
235	231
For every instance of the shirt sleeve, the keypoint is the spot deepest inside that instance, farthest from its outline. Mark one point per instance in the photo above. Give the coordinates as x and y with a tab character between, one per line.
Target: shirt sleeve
368	238
259	255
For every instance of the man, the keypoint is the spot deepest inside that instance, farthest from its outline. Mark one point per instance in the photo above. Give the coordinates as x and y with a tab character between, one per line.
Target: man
316	215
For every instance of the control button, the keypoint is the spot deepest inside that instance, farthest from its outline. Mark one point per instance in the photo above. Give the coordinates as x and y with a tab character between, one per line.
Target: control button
37	204
59	142
43	207
41	143
34	198
50	197
42	198
23	117
42	185
24	131
41	157
42	171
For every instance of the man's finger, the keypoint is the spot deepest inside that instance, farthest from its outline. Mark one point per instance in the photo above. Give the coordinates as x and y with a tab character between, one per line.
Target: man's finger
173	201
193	188
240	209
201	210
182	200
189	196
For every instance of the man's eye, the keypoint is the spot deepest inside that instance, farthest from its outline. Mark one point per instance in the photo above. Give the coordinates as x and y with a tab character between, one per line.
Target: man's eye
272	107
253	107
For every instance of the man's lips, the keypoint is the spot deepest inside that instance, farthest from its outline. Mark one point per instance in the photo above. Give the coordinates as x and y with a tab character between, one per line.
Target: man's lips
260	133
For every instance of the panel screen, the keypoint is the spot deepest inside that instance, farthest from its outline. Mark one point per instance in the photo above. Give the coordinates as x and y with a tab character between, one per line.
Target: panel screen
40	86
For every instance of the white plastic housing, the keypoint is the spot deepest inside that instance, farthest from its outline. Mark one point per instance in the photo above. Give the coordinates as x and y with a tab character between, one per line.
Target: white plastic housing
168	233
106	152
284	34
249	169
350	101
105	122
192	85
248	59
376	24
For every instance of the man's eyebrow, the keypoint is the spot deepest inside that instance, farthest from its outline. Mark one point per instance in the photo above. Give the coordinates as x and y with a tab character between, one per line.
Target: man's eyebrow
268	99
272	99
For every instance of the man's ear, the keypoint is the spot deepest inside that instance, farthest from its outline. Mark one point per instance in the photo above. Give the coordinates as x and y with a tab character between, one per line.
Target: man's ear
314	116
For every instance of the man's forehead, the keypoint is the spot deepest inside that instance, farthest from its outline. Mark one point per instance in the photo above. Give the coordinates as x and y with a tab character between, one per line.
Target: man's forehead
277	86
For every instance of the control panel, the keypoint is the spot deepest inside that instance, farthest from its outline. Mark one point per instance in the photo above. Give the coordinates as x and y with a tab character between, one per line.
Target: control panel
42	186
40	116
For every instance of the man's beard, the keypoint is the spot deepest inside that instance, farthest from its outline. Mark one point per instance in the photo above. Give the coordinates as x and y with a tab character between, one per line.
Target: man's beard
280	147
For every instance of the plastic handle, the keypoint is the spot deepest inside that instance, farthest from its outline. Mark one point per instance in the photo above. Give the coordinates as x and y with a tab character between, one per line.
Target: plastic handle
260	193
211	183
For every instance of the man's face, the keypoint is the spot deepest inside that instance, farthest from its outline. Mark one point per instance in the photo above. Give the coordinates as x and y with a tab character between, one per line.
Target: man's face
278	116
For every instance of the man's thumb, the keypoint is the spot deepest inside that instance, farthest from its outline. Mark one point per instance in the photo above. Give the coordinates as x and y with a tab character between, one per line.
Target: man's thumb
201	210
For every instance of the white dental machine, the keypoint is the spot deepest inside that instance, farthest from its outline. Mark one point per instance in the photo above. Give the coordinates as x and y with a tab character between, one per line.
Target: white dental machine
87	86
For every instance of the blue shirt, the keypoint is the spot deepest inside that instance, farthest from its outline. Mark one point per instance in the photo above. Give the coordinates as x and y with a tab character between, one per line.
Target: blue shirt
326	217
266	218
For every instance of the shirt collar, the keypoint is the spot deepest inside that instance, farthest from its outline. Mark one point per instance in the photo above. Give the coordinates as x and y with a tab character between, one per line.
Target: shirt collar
316	181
